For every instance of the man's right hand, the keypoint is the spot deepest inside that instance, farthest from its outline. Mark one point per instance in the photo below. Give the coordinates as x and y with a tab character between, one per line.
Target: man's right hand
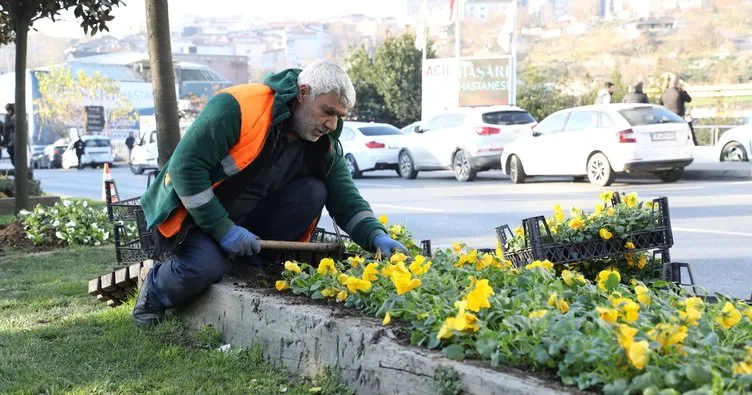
240	241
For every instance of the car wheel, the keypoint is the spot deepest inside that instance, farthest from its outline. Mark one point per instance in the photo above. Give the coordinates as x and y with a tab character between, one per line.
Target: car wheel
599	170
516	171
94	165
407	166
672	175
463	169
352	166
136	169
734	152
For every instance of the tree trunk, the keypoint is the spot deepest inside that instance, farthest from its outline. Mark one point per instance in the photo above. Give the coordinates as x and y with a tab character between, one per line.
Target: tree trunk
163	79
21	143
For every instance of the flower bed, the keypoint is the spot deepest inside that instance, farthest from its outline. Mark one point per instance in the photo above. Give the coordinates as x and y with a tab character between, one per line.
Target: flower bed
593	332
625	233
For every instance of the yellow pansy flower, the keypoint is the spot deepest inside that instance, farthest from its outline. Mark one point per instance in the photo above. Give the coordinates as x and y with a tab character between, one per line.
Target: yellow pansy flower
744	367
478	298
630	311
577	223
387	318
383	219
355	284
419	266
606	197
371	272
668	335
281	285
388	269
642	262
329	292
729	316
485	261
691	316
326	265
625	335
611	211
537	314
639	354
404	282
568	277
559	214
748	313
341	296
607	314
543	264
630	259
292	267
629	245
356	260
643	294
605	234
631	200
648	205
398	257
457	248
519	231
562	305
598	209
551	300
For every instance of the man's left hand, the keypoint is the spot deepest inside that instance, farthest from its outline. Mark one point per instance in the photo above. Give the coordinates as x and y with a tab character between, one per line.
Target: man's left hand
387	246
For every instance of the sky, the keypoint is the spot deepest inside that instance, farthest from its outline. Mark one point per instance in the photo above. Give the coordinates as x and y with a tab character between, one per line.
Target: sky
133	14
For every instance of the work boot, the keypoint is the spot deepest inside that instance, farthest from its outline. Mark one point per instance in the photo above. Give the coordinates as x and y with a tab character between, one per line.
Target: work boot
146	312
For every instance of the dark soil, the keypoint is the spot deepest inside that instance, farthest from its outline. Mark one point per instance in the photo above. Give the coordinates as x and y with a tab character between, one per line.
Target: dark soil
14	236
263	278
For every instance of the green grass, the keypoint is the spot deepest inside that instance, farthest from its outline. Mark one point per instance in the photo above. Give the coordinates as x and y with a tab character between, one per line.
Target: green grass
7	218
55	338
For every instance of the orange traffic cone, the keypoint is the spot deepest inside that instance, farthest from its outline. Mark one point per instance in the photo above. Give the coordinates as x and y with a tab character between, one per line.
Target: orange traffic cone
109	187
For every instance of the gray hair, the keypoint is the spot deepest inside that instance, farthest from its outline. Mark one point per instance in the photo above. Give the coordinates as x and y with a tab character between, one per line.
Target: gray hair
325	77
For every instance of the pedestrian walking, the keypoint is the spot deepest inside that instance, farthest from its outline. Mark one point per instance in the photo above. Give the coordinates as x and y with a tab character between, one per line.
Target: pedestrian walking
130	142
80	148
604	95
9	131
636	95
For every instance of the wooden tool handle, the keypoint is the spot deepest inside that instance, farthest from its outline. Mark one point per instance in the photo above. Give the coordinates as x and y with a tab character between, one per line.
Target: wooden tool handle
299	246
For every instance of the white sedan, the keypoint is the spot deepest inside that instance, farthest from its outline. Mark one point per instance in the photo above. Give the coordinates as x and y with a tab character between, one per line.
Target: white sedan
600	141
735	144
370	146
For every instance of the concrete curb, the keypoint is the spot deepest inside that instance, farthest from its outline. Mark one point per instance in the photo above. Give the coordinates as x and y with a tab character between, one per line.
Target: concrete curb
718	171
367	358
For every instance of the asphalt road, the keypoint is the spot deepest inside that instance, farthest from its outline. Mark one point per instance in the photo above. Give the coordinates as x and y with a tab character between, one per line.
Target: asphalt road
711	220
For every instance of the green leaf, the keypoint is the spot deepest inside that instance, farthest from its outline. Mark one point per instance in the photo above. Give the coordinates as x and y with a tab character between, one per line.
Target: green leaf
642	381
417	338
612	282
672	379
433	342
455	352
618	387
698	374
485	347
317	285
700	391
710	340
660	284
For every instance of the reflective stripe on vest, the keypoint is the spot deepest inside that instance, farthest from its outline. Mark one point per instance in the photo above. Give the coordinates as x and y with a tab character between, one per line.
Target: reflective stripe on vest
255	101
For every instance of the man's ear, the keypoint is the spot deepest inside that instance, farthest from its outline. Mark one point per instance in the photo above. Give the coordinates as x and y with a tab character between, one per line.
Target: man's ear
303	90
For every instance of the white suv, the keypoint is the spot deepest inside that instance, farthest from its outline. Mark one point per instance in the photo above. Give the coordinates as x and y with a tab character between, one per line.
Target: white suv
465	140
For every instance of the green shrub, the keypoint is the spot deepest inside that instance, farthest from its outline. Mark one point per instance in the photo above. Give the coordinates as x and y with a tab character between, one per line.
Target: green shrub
70	222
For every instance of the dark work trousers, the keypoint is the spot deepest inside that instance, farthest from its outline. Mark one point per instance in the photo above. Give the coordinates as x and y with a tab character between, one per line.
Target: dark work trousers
200	261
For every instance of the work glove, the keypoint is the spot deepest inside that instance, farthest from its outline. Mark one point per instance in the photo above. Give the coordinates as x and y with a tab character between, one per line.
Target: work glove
387	245
240	241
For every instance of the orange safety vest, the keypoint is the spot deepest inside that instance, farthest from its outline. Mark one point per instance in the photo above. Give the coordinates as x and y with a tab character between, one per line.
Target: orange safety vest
256	102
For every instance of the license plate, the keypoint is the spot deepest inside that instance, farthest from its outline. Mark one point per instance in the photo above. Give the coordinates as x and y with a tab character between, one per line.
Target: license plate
393	146
663	136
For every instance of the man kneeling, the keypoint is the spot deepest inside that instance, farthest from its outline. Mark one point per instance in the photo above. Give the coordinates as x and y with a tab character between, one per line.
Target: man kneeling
259	162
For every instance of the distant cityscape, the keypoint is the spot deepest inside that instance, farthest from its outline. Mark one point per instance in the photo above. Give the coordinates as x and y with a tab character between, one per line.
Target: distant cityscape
240	53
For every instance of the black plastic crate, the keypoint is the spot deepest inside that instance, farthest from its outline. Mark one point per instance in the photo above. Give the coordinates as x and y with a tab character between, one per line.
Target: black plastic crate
539	247
320	235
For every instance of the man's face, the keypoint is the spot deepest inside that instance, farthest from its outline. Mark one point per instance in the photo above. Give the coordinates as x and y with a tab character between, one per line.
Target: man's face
314	118
611	89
